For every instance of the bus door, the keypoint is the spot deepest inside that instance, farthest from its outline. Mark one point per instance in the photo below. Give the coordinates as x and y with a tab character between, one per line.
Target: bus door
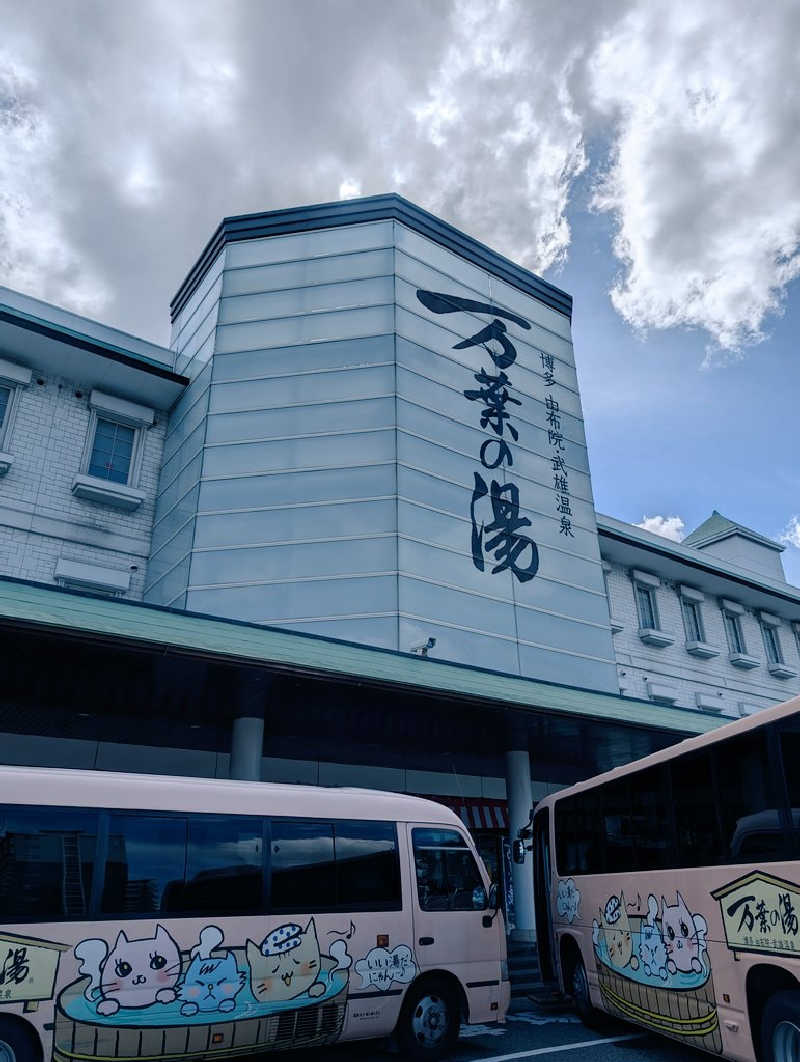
541	892
454	926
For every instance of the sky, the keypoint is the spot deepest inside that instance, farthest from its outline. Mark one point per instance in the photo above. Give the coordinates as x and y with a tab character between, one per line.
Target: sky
641	154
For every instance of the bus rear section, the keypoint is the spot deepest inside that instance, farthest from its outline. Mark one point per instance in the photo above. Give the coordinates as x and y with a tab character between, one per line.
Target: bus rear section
673	898
181	919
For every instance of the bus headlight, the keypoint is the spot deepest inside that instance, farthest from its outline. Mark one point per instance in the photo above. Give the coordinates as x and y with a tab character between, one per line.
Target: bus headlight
504	970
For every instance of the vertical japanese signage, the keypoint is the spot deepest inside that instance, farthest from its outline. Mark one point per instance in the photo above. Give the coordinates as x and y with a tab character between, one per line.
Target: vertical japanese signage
555	439
497	535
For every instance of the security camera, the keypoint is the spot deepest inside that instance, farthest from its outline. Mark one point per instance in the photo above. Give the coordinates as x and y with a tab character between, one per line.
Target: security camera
422	649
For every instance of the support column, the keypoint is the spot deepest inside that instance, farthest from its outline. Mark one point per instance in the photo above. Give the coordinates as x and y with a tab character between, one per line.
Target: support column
247	733
518	790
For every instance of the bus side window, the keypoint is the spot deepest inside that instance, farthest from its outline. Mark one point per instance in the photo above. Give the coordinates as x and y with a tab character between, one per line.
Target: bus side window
651	820
579	838
224	866
145	864
616	797
46	862
789	733
749	802
696	827
448	878
303	874
367	866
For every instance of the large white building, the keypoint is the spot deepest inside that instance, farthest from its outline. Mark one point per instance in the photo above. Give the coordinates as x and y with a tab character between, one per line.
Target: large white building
357	489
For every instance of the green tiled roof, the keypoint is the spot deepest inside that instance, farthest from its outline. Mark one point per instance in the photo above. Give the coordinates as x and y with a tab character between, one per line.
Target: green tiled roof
25	603
718	526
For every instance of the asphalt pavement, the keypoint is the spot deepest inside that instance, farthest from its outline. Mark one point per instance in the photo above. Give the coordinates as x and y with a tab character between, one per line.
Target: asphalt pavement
560	1038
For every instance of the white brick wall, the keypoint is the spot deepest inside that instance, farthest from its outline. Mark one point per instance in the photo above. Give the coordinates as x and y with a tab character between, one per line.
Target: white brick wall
40	519
638	662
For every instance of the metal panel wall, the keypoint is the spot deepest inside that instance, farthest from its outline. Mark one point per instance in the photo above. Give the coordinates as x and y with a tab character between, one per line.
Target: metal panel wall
449	403
297	511
338	449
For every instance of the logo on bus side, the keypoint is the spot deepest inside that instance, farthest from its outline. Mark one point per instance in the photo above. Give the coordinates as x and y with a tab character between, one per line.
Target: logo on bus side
760	913
28	969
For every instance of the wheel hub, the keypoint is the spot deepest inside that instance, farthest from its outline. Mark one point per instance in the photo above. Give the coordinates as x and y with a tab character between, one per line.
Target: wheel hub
786	1042
429	1022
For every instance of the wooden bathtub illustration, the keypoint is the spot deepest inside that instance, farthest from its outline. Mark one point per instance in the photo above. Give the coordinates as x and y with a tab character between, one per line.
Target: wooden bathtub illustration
160	1031
682	1006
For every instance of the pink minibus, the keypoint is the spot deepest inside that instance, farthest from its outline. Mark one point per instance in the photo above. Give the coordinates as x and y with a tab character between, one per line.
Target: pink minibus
668	891
178	918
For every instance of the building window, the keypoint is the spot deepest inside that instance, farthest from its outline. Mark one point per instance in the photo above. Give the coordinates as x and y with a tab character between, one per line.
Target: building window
772	644
5	405
112	451
646	602
605	583
645	585
733	629
12	380
693	620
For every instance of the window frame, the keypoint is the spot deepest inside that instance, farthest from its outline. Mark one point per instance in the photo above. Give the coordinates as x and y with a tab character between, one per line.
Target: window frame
102	819
693	609
137	450
733	620
463	847
776	780
772	644
645	590
6	385
14	378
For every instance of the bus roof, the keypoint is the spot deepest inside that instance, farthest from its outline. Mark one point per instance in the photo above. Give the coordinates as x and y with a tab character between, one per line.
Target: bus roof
148	792
727	730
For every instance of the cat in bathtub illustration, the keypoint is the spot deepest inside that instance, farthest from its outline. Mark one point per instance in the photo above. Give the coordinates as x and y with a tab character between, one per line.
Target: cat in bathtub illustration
151	972
669	941
135	973
615	931
286	964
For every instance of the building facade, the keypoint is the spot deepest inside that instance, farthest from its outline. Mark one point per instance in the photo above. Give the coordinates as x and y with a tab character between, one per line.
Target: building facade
342	532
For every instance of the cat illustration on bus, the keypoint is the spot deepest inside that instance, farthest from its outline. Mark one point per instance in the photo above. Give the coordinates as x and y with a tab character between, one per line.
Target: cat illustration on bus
666	942
141	972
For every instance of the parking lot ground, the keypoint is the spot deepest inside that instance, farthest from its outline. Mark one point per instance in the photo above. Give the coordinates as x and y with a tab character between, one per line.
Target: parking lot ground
561	1038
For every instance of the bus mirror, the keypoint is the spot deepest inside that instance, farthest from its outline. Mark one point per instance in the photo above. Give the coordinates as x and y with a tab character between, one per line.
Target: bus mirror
518	851
494	896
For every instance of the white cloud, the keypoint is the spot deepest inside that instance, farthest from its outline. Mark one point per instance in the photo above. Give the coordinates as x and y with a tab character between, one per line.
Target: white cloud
499	139
791	533
35	255
703	174
671	527
129	130
349	188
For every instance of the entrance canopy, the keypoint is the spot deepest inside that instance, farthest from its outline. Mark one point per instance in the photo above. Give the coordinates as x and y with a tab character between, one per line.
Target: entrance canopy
85	667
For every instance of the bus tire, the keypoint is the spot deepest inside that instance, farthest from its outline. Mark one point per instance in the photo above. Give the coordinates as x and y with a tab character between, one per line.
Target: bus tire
18	1041
780	1028
429	1020
579	990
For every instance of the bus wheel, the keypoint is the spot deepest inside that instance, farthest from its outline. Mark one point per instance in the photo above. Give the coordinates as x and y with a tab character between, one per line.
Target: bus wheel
579	987
18	1043
780	1028
429	1021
